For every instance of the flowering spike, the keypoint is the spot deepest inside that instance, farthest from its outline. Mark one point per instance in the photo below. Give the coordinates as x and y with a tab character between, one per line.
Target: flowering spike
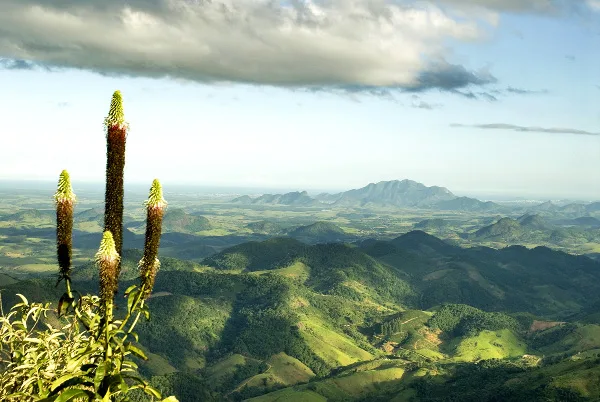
107	259
116	116
116	136
64	191
65	199
155	209
155	199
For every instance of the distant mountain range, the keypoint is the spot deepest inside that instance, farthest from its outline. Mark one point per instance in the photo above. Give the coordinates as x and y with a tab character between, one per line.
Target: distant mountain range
410	194
395	193
295	198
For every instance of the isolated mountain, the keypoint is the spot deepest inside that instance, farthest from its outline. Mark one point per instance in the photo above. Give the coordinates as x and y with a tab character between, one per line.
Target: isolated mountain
535	222
505	229
177	220
244	199
422	242
405	193
266	227
319	232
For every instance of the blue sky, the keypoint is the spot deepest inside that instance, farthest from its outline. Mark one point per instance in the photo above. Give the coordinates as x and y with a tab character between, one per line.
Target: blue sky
502	99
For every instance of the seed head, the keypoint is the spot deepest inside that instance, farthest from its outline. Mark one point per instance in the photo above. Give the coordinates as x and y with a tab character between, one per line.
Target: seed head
116	117
64	191
155	198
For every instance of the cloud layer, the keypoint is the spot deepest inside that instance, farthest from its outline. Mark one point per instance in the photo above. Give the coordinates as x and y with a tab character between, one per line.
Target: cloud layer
354	44
553	130
364	44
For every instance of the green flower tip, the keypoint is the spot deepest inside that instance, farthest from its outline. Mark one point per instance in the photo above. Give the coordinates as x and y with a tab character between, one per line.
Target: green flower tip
108	250
64	191
155	199
116	117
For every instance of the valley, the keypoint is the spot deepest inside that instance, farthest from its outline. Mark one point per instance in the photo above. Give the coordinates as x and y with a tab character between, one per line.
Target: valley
391	292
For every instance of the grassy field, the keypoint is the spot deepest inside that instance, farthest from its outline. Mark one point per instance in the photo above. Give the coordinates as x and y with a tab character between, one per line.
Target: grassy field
297	270
487	345
342	388
282	370
333	347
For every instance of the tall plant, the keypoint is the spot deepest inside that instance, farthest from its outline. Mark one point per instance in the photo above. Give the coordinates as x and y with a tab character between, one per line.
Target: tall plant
149	264
88	356
116	136
65	200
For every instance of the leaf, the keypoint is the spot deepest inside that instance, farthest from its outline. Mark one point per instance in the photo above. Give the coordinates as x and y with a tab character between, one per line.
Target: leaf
25	301
170	399
64	298
129	289
131	300
71	394
137	351
152	391
106	397
100	374
69	383
56	383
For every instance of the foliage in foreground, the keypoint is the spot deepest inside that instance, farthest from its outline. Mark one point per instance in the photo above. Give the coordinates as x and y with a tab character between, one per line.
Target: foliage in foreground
84	353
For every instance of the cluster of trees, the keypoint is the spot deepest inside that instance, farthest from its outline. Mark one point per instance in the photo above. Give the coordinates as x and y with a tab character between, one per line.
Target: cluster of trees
464	320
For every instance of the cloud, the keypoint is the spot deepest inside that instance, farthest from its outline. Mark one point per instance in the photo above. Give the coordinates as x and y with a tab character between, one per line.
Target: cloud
594	5
426	105
477	95
418	103
450	77
347	45
12	64
570	57
502	126
521	91
548	7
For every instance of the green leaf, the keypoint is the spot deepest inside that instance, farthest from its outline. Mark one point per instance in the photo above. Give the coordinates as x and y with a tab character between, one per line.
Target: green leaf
100	374
137	351
106	397
56	383
170	399
71	394
152	391
131	300
25	301
129	289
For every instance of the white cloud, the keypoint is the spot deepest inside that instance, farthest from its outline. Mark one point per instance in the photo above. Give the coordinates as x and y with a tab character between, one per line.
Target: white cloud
333	43
297	43
594	5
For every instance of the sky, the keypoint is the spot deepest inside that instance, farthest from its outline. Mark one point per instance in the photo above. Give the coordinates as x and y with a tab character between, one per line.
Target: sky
494	97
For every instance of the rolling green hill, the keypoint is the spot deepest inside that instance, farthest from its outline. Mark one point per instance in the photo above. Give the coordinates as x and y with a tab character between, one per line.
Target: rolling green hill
319	232
377	321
